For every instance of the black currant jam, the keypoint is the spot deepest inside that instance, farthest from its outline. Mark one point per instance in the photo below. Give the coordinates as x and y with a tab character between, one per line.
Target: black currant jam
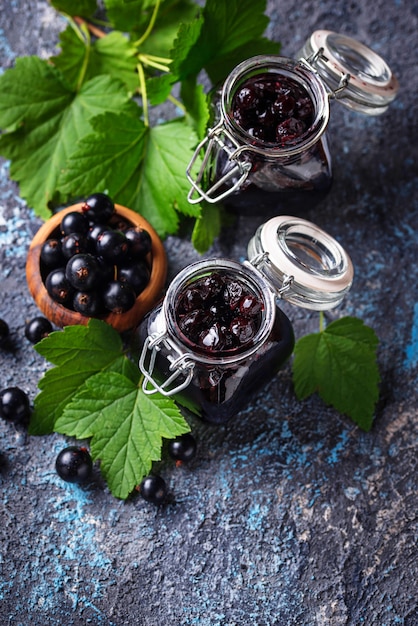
270	121
219	335
273	108
220	330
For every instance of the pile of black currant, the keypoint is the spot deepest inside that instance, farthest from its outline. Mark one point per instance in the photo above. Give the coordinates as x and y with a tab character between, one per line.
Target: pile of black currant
96	262
273	108
218	313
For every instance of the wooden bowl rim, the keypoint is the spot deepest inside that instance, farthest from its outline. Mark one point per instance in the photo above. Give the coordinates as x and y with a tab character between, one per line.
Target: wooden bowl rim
59	314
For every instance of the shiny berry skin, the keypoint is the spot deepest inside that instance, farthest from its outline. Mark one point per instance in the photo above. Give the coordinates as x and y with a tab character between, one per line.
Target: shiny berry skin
153	489
112	245
74	244
14	405
74	222
88	303
119	297
98	207
58	287
140	242
51	254
82	272
37	328
4	331
136	274
74	464
183	448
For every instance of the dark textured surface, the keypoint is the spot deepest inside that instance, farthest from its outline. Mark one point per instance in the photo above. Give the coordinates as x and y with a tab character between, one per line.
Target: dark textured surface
290	515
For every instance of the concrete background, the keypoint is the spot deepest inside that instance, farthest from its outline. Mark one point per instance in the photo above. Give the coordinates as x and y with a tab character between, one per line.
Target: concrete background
290	515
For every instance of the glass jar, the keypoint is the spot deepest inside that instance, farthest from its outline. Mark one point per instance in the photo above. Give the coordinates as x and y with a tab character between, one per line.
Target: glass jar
233	159
290	258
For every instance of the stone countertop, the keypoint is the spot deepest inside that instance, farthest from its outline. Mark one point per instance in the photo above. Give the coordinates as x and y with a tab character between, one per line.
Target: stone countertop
290	514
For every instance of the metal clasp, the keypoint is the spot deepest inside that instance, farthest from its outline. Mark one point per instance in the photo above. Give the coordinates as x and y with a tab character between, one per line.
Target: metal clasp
181	364
214	143
263	258
319	55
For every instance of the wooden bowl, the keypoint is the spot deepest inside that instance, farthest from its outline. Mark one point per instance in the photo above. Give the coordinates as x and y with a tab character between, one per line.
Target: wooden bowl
59	314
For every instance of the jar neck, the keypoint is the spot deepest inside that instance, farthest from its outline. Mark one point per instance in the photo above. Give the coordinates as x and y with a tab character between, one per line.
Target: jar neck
283	67
248	276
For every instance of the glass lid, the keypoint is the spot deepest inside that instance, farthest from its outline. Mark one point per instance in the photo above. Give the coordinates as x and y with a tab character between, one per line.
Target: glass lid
355	74
303	264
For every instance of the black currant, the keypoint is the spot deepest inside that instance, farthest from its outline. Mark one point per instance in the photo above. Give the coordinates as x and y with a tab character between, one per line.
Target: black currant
4	331
136	274
153	489
74	222
88	303
14	405
37	328
182	448
82	272
74	464
119	297
98	207
58	287
74	244
51	253
112	245
140	242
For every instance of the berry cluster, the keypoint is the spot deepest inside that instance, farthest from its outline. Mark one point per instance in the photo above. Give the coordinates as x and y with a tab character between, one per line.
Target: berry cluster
274	109
96	263
217	313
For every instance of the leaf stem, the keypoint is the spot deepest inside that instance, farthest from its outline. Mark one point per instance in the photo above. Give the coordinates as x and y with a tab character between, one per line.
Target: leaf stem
148	31
143	89
321	321
81	29
177	102
97	32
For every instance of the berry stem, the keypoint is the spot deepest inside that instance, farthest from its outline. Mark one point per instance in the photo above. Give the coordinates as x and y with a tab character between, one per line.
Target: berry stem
146	59
148	31
143	90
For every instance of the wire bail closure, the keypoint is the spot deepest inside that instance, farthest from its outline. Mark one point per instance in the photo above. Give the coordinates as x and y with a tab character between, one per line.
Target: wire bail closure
181	363
310	63
215	144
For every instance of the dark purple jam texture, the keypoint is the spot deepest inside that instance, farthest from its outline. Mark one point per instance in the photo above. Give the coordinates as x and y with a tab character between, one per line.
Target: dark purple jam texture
218	313
273	108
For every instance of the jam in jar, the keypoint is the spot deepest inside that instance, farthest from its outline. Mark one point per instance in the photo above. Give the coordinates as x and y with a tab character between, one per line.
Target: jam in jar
220	335
271	117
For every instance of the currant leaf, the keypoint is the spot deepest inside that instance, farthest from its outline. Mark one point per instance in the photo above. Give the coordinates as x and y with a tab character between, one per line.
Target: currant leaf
81	58
126	427
232	32
78	352
47	124
340	364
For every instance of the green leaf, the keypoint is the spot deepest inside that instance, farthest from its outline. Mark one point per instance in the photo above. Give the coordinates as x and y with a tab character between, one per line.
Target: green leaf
207	227
83	8
143	167
232	32
163	185
126	427
51	120
197	106
107	158
80	59
340	364
78	352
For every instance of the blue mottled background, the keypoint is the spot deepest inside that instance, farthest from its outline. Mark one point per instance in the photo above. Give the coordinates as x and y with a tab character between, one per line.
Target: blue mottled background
290	515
